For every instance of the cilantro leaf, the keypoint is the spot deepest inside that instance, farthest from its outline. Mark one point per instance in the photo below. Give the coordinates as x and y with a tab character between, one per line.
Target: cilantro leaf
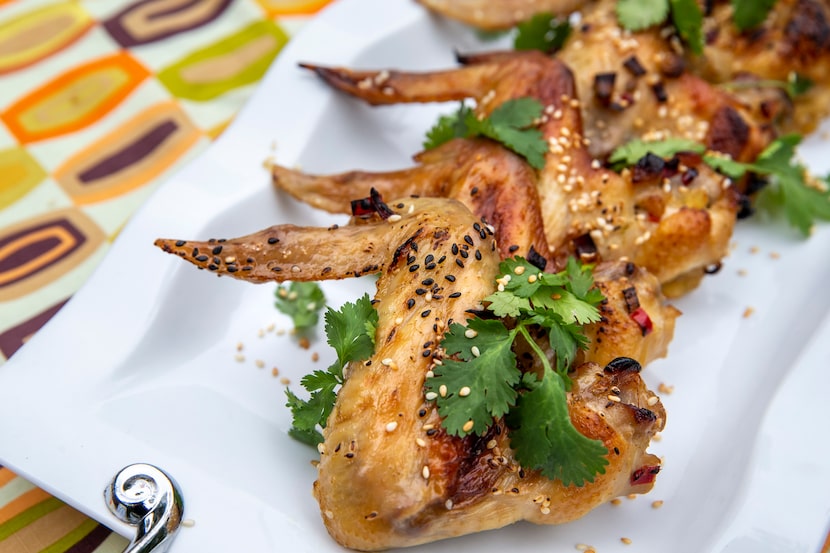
348	332
747	14
802	198
302	301
631	152
544	438
479	386
512	124
688	19
448	127
479	380
636	15
544	32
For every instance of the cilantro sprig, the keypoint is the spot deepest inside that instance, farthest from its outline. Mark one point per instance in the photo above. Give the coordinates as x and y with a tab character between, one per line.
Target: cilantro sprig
302	301
350	331
479	379
748	14
802	198
685	15
512	124
543	31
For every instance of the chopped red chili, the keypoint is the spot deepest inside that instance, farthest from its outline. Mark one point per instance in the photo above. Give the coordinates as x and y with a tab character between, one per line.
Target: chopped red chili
641	318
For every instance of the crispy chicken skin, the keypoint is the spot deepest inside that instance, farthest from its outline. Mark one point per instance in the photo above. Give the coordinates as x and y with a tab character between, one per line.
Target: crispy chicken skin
496	184
389	476
635	85
675	225
795	38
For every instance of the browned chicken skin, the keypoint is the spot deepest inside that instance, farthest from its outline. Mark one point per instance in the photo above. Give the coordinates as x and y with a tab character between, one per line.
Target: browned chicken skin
388	475
503	14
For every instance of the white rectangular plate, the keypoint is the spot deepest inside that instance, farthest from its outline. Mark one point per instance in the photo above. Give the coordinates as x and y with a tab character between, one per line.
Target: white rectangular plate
140	366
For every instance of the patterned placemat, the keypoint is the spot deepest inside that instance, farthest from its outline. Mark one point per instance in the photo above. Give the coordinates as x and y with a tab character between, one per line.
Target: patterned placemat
100	102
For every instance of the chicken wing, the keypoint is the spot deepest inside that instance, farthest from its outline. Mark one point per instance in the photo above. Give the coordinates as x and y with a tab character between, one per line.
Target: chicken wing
389	476
681	226
497	185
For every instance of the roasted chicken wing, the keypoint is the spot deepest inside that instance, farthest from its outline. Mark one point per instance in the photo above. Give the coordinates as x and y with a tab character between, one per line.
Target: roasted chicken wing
675	222
389	475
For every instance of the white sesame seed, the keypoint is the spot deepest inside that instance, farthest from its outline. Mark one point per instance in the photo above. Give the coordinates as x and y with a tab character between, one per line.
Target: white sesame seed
420	442
425	472
491	444
652	401
394	218
468	426
464	392
321	448
448	504
430	396
520	269
531	279
442	390
475	351
391	426
260	363
470	333
239	358
387	362
614	398
430	374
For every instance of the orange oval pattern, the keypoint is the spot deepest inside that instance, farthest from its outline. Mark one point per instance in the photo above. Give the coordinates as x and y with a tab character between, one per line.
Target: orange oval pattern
130	156
74	99
40	33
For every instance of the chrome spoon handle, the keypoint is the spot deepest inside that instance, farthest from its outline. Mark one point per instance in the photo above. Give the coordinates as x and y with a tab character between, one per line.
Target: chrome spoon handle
146	497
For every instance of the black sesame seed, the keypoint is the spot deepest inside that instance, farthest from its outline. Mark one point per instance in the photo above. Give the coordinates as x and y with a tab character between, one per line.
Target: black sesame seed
201	258
247	268
478	255
420	291
482	234
249	260
426	313
427	282
477	226
213	267
468	239
513	248
455	295
451	278
422	413
429	258
442	258
410	302
431	432
459	262
180	243
195	252
217	260
464	254
413	268
232	268
426	353
474	191
279	269
455	249
429	266
217	250
414	246
273	240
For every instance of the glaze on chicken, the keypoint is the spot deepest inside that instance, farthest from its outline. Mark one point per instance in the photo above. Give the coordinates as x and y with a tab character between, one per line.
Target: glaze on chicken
389	476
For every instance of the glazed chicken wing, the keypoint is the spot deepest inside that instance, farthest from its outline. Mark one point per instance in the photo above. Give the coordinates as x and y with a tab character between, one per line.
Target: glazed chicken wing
675	226
389	475
503	14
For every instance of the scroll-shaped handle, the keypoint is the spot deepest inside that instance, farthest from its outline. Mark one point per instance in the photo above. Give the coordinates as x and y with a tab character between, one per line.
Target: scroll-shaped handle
145	496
